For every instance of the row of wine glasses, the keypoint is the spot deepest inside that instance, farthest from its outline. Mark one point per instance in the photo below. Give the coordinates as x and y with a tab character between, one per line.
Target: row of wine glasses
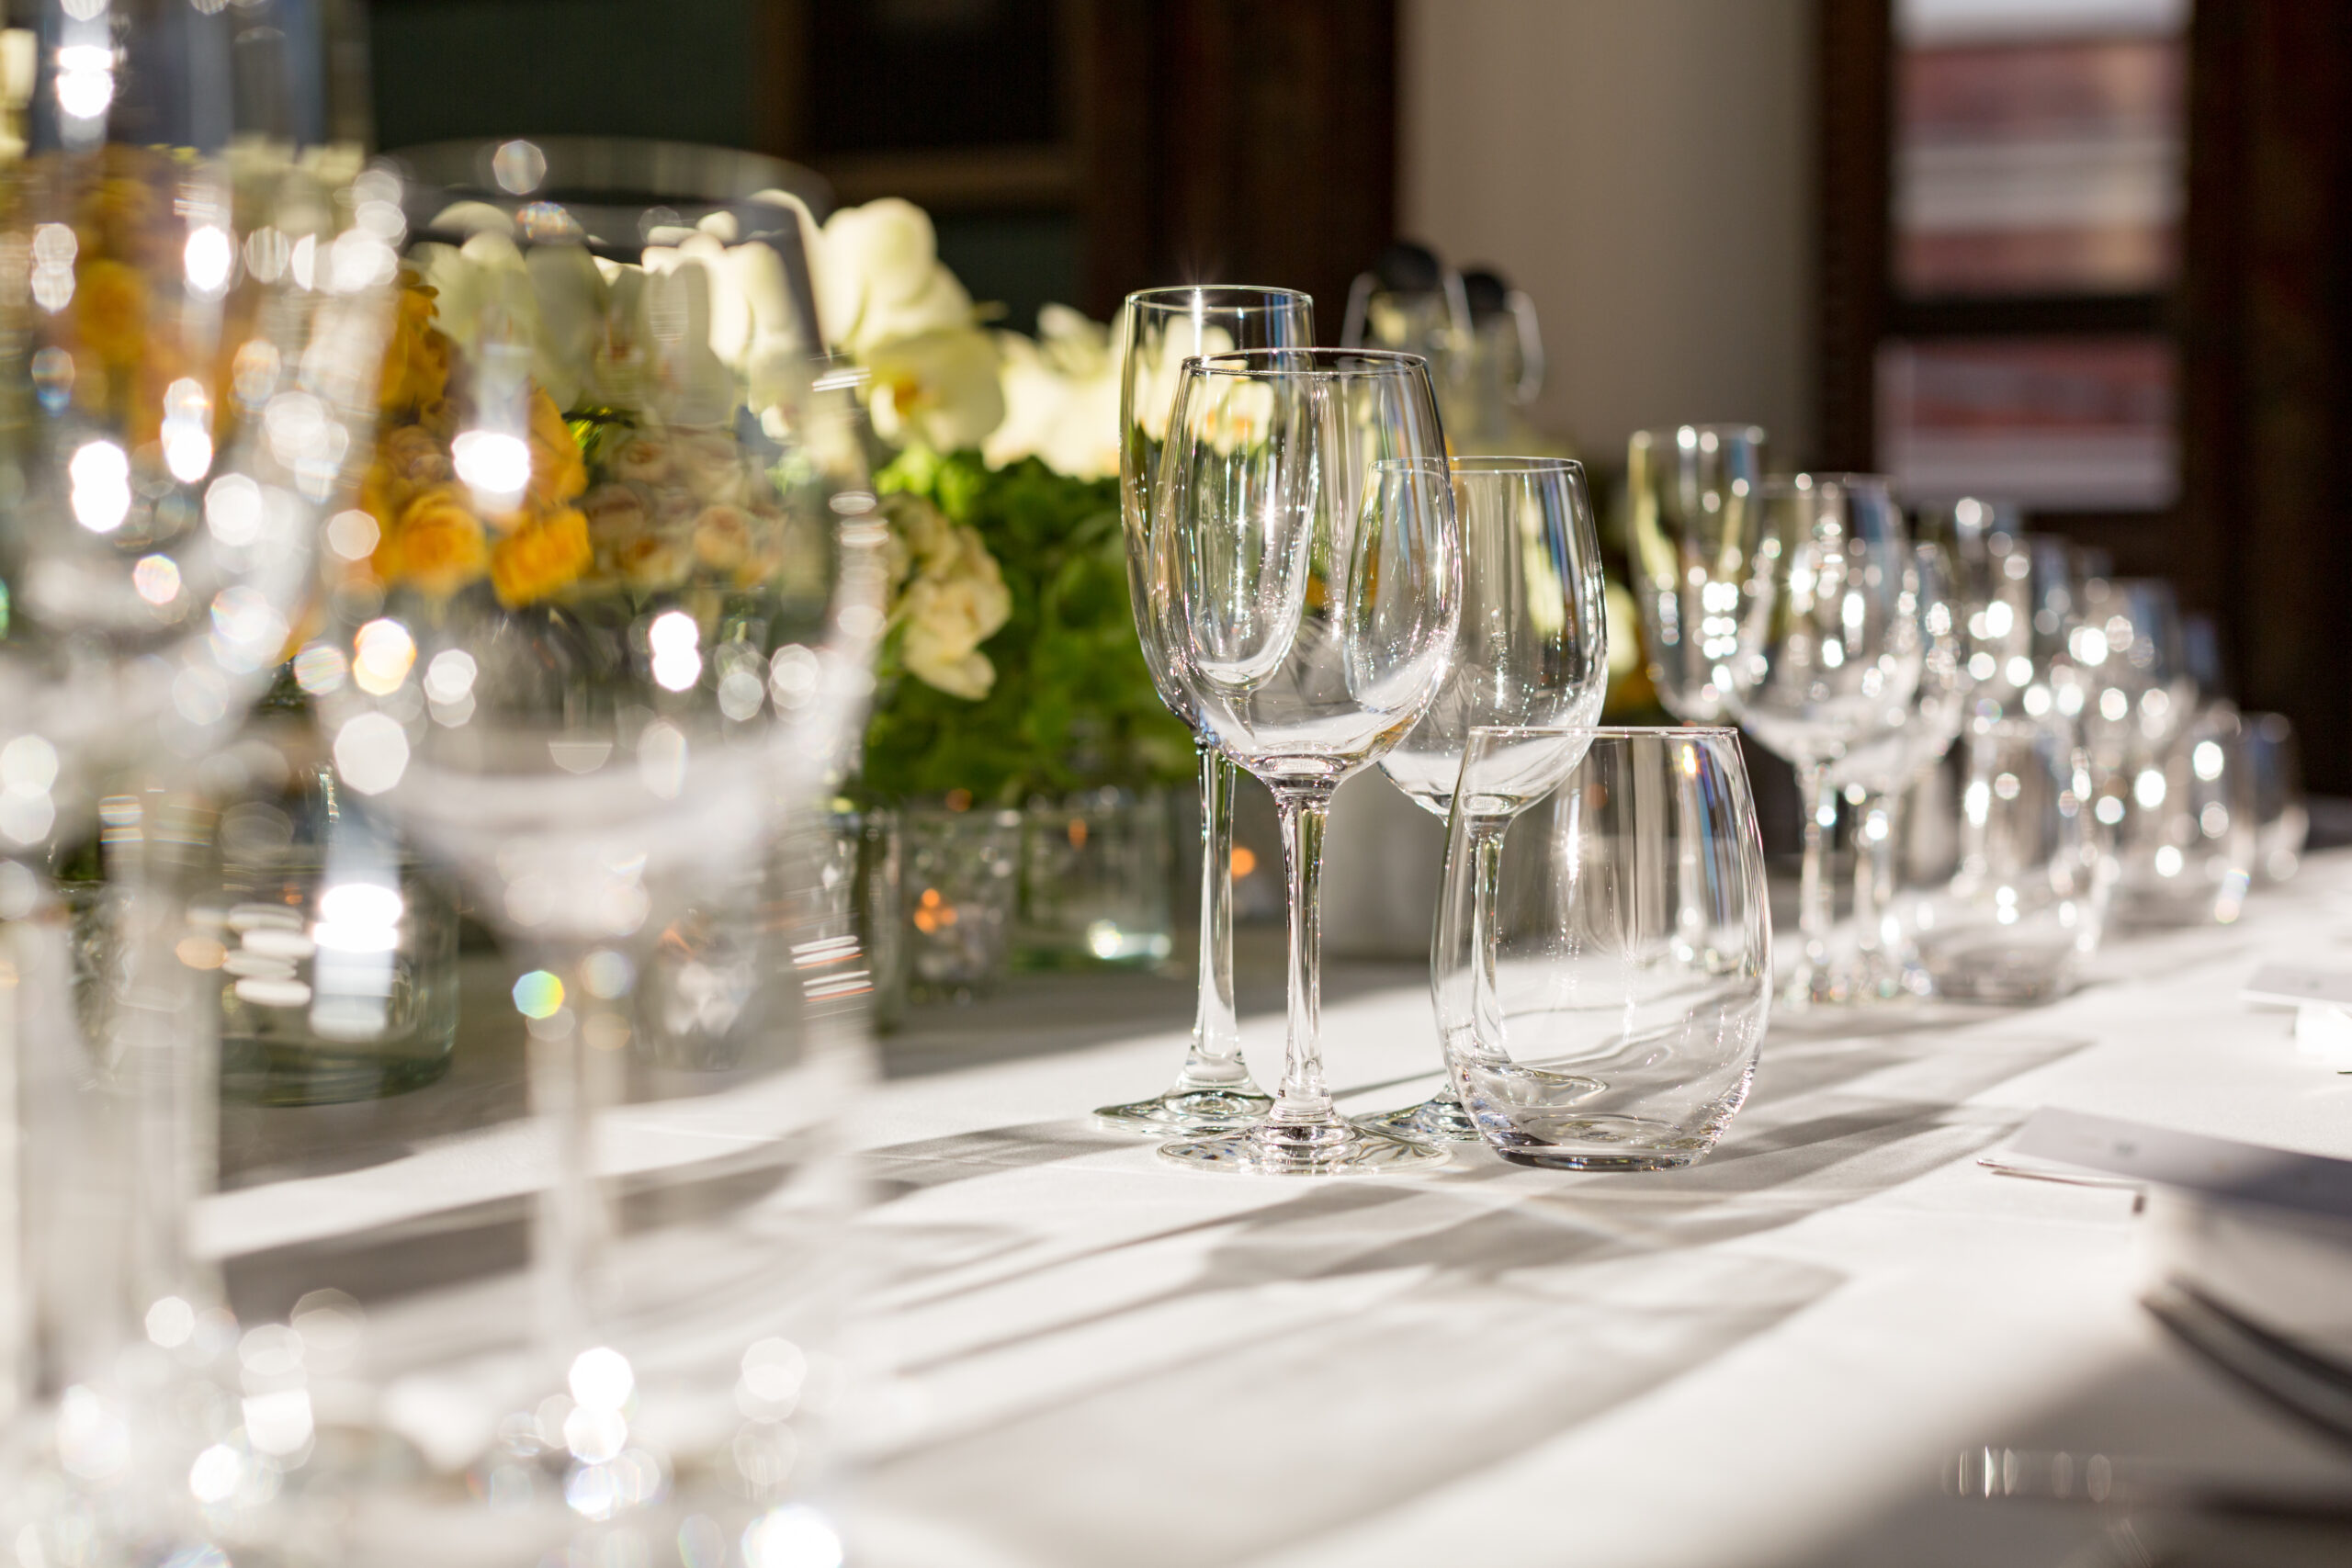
1805	607
1317	588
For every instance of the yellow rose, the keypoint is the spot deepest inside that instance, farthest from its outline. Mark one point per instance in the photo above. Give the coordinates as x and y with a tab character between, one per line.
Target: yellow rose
437	546
557	472
110	311
546	555
417	358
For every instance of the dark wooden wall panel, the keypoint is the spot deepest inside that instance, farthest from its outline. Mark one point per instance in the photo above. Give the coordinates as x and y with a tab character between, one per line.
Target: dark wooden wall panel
1240	141
2267	355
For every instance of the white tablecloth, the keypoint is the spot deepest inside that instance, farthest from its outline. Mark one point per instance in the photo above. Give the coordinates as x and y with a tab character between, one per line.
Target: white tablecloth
1087	1359
1773	1357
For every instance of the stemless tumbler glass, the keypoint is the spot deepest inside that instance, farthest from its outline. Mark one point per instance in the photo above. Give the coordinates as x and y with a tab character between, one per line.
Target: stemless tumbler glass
1829	657
2029	899
1533	650
1692	491
1305	589
2282	817
1162	328
1603	1010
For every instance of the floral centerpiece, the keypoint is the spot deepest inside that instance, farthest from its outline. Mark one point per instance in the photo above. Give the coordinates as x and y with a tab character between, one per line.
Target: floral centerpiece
1011	667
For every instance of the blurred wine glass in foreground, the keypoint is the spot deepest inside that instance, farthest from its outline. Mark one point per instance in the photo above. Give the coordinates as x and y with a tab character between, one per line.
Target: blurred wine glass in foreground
195	290
603	667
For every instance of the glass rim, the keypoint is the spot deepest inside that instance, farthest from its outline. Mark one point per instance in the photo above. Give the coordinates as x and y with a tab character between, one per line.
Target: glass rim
1262	362
1483	463
1611	731
1670	433
1172	296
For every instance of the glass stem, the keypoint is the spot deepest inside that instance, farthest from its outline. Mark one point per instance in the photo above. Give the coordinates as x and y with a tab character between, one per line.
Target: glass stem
575	1056
1303	1098
1878	819
1215	1059
1812	894
1486	933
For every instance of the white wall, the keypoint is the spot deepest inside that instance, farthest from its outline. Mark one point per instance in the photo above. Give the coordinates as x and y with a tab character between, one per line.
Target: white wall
1642	169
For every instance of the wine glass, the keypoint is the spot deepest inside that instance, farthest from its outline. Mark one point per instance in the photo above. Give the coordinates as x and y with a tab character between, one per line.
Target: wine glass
1693	493
1162	328
1602	966
1876	775
1533	652
193	327
1829	657
1304	592
603	668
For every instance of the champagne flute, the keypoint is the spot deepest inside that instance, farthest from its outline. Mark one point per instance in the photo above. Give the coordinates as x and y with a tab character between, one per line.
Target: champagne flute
1829	658
1532	652
1161	329
1304	592
1692	490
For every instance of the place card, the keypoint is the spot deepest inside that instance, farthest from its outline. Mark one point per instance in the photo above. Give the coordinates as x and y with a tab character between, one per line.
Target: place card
2296	985
2212	1168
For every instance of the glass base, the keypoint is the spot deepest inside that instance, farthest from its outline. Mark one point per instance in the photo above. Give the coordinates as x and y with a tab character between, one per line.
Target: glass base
1198	1112
1440	1119
1553	1159
1312	1149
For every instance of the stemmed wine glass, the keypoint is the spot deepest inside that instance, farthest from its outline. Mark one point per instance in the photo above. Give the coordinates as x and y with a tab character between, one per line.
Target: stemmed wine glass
1829	657
1692	491
1876	774
192	334
1305	592
602	730
1162	328
1533	652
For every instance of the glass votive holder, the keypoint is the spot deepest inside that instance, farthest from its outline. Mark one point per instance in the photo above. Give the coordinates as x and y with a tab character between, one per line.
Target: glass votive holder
1094	880
2283	819
959	879
337	952
2029	899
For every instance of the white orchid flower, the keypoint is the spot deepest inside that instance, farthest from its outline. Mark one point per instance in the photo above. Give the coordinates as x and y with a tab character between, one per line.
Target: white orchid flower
1061	398
482	285
940	389
878	277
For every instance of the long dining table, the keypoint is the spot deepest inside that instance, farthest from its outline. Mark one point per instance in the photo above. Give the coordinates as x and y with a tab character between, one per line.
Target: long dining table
1077	1356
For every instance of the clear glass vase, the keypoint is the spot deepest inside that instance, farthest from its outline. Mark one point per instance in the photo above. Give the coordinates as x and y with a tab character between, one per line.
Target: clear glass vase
959	882
1094	880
